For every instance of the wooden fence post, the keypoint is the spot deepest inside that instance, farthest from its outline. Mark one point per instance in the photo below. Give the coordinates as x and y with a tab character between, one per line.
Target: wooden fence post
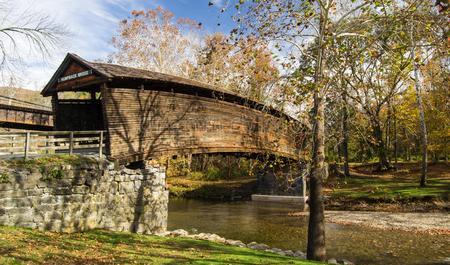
13	144
303	186
100	148
47	139
71	144
27	144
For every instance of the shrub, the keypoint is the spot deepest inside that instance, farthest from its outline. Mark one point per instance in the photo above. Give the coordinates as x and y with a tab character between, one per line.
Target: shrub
213	173
4	177
178	167
51	173
197	175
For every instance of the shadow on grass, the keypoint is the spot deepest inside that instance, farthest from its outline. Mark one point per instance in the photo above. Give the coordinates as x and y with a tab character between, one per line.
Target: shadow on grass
105	247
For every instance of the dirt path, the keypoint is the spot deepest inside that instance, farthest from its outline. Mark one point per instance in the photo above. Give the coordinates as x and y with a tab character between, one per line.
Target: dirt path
433	223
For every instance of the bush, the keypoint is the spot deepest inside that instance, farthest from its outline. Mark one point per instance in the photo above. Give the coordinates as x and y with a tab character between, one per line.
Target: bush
50	173
4	177
213	173
197	175
178	167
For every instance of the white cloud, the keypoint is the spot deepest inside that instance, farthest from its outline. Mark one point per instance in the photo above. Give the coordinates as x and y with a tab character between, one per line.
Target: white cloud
91	24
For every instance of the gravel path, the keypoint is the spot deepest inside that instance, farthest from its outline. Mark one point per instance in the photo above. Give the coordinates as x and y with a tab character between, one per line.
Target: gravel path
435	223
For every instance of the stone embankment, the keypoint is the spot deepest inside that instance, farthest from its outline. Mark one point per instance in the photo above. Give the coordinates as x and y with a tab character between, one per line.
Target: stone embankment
87	195
238	243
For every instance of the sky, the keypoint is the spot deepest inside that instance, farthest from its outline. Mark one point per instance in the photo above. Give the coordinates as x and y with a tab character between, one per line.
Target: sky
91	25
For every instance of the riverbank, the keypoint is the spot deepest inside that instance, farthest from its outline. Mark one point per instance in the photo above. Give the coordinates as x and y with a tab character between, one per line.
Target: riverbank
219	190
392	191
27	246
430	223
365	190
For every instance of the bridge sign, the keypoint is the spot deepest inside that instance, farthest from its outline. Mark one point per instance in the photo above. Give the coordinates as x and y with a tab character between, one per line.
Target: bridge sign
74	76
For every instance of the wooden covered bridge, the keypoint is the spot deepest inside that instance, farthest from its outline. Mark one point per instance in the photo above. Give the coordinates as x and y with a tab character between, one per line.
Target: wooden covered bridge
19	114
146	114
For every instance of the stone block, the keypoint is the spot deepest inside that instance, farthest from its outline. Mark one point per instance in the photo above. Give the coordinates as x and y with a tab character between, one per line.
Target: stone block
13	194
34	192
127	171
20	214
118	177
19	202
126	187
30	181
64	190
32	225
80	189
5	221
53	225
6	186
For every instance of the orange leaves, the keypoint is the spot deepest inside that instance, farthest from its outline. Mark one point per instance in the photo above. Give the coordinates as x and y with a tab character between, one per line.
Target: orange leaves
136	13
154	39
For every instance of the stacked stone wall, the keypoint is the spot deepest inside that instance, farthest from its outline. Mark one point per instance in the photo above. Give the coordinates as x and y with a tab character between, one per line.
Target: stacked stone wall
83	197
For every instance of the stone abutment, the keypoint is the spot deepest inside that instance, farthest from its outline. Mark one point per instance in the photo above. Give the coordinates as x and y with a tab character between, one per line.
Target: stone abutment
88	195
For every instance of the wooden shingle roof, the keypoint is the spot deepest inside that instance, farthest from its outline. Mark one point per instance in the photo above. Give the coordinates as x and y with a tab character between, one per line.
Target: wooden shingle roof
107	72
115	71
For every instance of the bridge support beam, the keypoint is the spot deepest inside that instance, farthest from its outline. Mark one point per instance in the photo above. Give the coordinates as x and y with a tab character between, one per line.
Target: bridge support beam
281	181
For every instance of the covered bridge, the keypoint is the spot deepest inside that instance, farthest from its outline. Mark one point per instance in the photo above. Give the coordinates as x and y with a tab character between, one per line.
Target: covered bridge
20	114
147	114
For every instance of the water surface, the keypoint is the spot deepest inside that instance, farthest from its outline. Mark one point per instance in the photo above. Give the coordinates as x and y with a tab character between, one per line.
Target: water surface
269	223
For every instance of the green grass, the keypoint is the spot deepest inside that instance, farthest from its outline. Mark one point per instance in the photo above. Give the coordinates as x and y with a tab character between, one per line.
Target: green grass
26	246
51	167
402	184
52	160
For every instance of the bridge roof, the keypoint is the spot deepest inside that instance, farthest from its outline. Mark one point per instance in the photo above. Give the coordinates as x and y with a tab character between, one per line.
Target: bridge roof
109	70
106	72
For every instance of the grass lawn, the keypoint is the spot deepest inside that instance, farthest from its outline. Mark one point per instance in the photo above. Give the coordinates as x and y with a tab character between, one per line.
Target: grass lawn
402	184
27	246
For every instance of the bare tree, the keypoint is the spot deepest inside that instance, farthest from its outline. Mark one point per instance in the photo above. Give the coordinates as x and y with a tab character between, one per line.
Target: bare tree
24	33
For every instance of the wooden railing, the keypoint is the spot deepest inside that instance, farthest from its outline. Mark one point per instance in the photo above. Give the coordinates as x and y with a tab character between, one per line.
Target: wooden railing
25	144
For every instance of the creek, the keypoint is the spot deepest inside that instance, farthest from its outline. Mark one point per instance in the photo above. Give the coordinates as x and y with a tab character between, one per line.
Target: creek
270	223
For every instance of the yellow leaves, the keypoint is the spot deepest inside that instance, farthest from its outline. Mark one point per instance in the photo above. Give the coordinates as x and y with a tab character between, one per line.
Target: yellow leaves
374	53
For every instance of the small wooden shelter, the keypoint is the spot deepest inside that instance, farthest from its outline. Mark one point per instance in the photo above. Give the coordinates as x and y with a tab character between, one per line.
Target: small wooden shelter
147	114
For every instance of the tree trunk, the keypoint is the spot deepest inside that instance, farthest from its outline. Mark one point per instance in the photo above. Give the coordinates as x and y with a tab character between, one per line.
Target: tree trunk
383	163
395	138
316	225
345	136
423	127
388	131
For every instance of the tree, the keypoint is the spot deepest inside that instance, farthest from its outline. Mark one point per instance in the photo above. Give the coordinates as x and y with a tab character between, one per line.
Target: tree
24	33
155	40
245	68
296	27
436	77
425	31
374	69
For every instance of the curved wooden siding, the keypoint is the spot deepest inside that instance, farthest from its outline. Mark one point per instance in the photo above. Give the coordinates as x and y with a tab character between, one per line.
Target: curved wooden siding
146	123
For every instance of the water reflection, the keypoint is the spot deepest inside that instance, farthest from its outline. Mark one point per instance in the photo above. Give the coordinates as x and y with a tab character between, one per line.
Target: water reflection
269	223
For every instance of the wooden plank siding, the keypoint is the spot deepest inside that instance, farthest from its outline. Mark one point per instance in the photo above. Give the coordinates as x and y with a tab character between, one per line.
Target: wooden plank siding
25	116
147	114
147	123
